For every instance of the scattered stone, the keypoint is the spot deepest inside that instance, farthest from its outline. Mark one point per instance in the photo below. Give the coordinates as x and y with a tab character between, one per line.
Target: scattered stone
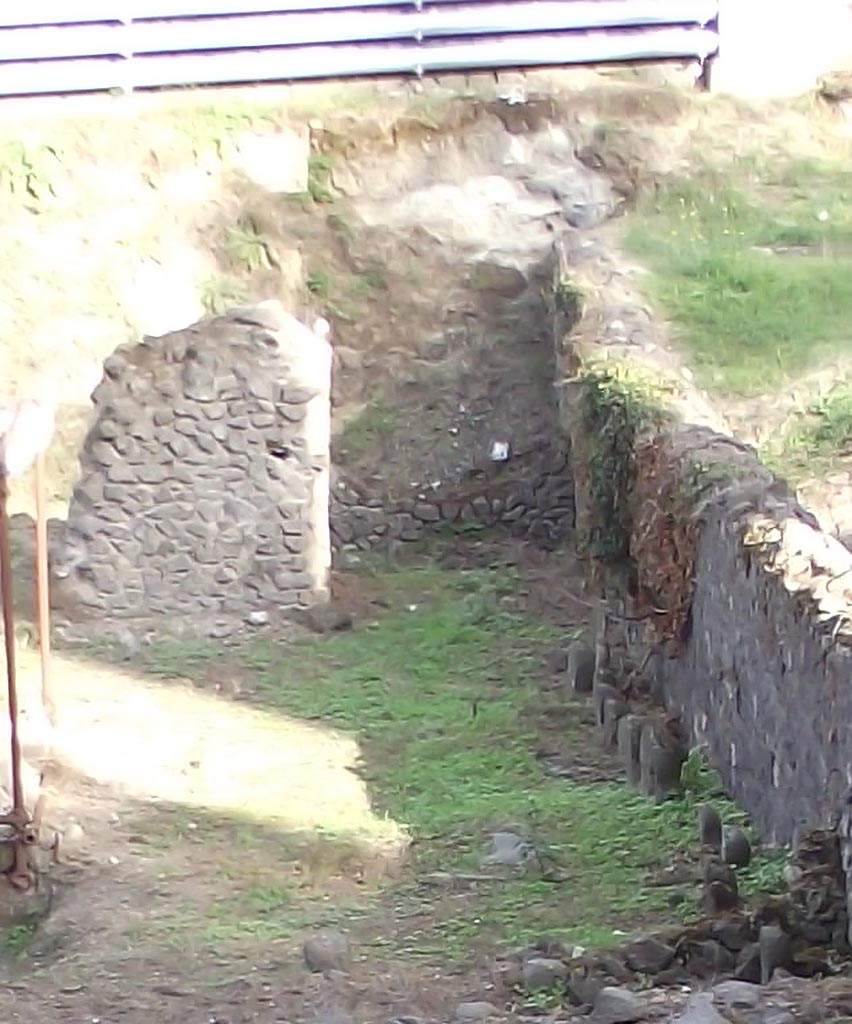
475	1011
618	1006
327	618
581	666
648	956
709	959
734	934
736	849
710	828
540	974
507	849
660	760
775	951
335	1015
700	1010
326	951
583	986
737	995
258	618
629	736
719	898
749	964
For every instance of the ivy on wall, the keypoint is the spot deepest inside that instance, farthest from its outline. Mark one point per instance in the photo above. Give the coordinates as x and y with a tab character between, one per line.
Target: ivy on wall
613	413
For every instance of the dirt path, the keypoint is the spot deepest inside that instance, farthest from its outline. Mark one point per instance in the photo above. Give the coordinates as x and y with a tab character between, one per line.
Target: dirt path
221	804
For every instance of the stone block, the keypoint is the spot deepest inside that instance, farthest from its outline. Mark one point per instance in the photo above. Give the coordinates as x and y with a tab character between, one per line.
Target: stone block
660	760
581	666
628	739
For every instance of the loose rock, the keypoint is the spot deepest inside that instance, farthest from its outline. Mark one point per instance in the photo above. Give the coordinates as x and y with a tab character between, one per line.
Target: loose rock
327	618
507	849
618	1006
581	667
710	828
648	956
474	1011
700	1010
736	849
326	951
542	974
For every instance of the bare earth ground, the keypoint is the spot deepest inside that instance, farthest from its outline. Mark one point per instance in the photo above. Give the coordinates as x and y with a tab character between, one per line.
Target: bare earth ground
211	834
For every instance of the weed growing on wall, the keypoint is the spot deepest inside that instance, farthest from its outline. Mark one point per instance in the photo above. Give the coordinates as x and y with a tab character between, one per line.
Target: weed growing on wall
27	172
219	294
614	412
319	179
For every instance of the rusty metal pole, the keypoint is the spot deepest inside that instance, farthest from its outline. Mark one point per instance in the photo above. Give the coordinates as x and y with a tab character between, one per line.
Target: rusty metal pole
43	590
18	808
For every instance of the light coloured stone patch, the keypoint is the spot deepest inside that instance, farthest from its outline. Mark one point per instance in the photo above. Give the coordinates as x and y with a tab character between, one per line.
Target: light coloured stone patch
277	163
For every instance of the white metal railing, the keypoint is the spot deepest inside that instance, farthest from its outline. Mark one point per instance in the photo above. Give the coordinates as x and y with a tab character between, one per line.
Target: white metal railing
57	46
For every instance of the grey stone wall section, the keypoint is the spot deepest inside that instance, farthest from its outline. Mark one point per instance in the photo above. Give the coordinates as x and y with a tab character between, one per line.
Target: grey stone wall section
204	477
763	676
764	685
539	507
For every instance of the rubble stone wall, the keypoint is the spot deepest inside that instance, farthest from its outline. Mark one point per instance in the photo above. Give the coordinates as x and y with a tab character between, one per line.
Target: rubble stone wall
760	667
533	500
204	478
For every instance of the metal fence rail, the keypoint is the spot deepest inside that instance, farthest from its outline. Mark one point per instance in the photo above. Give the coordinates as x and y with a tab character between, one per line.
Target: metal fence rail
59	46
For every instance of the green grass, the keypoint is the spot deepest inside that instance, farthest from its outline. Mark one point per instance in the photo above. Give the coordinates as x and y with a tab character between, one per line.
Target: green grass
219	294
751	319
247	249
406	687
319	283
374	425
820	436
16	940
319	179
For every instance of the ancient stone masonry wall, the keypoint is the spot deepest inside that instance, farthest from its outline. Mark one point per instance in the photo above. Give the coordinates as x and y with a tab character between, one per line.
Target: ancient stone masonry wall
739	624
535	502
204	477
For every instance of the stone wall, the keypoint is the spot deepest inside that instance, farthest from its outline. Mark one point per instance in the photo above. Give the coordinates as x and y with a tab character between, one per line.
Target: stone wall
529	498
204	477
737	616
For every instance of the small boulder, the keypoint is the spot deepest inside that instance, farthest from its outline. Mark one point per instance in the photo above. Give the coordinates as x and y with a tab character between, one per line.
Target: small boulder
581	666
775	951
326	951
474	1011
736	849
541	974
748	964
719	898
700	1010
710	828
648	956
507	849
618	1006
327	618
737	995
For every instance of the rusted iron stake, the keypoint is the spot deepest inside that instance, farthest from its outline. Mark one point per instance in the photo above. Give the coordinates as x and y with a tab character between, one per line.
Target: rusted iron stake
43	590
18	809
